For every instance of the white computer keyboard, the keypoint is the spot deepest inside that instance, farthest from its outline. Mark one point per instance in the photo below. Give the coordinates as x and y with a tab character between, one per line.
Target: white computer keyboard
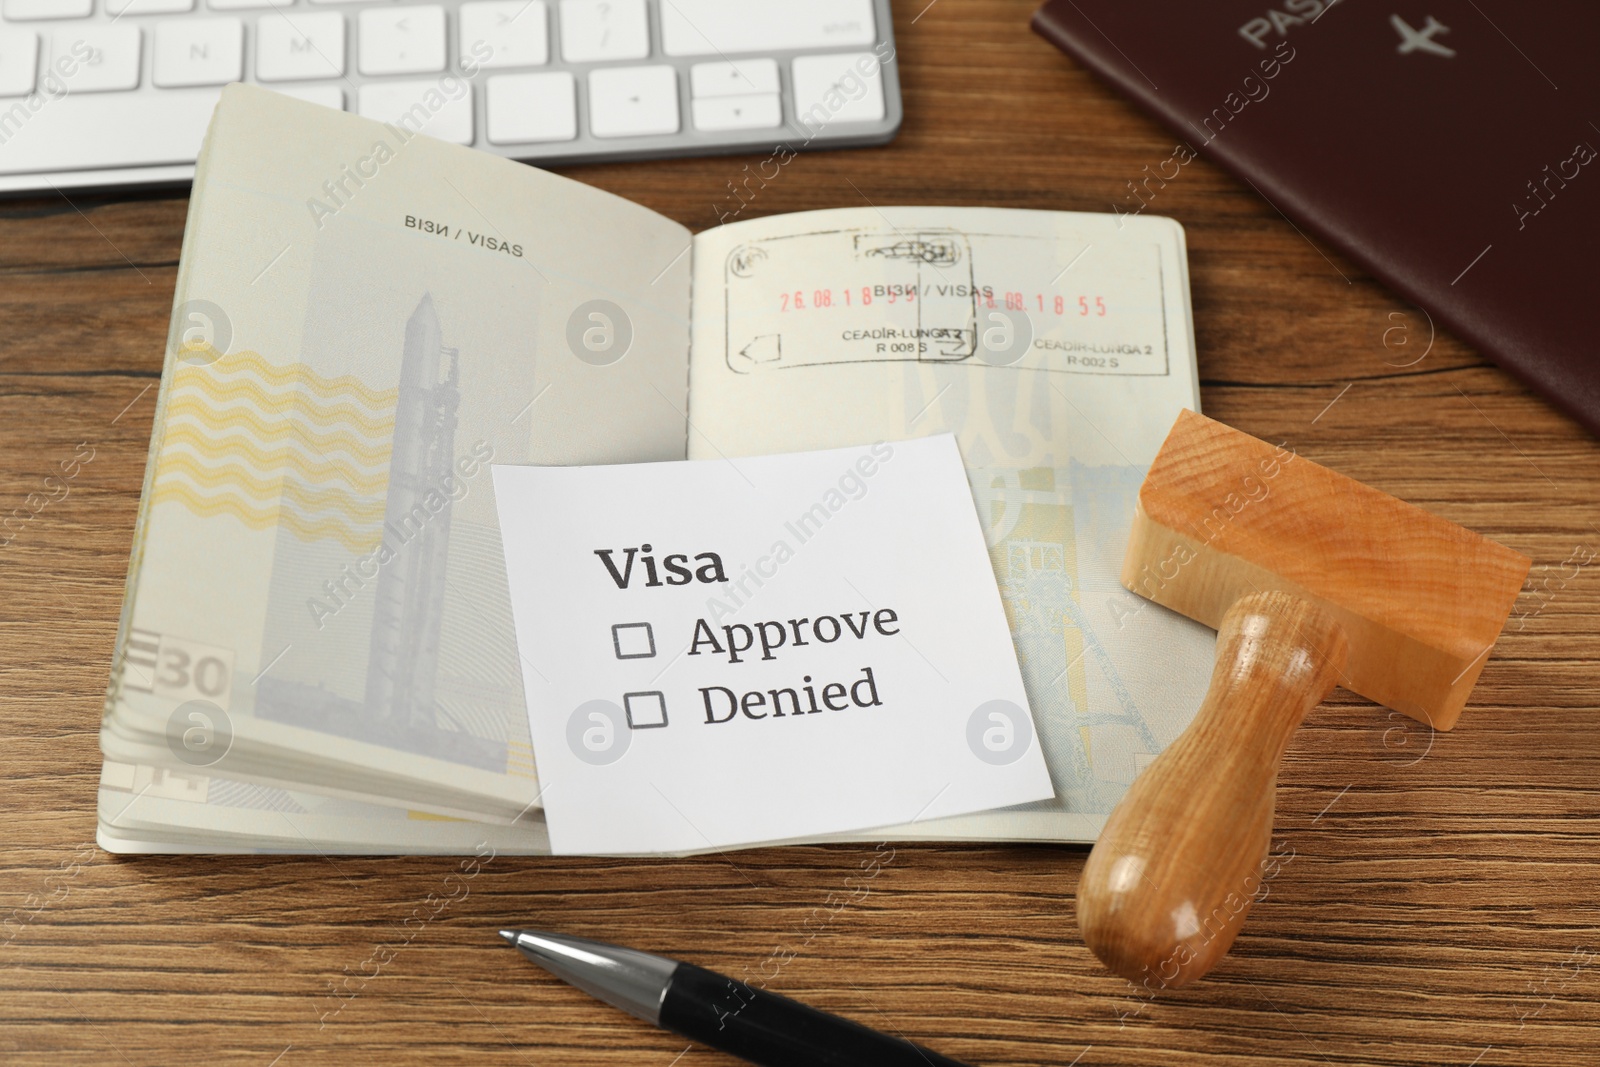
97	93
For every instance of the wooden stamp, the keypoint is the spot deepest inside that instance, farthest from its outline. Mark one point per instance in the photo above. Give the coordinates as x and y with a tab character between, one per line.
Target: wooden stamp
1312	580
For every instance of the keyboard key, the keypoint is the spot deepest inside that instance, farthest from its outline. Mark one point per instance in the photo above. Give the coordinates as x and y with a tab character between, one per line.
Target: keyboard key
19	61
406	105
240	5
734	79
21	10
311	45
133	130
101	58
604	29
401	40
847	87
633	101
524	108
715	27
758	111
198	52
148	7
505	33
326	95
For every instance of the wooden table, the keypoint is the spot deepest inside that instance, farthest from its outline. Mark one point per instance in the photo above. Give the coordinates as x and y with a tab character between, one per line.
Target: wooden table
1442	905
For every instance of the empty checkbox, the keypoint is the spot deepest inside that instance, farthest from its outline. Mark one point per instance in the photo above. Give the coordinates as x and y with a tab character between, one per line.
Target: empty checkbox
633	640
646	711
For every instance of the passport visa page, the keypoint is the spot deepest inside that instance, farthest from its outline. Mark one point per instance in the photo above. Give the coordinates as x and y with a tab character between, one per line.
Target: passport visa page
317	569
1058	349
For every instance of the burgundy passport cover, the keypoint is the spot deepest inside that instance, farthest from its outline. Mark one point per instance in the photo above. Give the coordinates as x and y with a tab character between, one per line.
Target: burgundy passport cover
1448	146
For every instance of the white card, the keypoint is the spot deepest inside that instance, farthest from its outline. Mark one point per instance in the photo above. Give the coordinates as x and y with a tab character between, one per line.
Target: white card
727	652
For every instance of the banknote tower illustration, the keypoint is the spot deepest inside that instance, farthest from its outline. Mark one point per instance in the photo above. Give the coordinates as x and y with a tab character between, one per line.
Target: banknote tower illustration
403	661
400	707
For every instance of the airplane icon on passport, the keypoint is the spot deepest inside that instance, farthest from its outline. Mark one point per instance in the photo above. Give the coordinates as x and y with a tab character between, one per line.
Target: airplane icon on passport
1412	40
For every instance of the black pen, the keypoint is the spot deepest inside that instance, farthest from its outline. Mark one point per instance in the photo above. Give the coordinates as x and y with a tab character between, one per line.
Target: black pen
716	1010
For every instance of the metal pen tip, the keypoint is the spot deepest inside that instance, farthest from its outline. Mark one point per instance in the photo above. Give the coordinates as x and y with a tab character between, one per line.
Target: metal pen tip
622	977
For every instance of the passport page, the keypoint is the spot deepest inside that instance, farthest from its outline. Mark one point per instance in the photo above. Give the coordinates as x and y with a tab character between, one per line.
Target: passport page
361	326
1058	348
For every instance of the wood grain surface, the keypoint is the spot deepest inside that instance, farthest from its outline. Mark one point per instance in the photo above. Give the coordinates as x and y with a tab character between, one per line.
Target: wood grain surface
1441	896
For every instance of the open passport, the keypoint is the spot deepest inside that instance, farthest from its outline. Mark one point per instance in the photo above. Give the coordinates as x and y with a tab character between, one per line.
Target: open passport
316	649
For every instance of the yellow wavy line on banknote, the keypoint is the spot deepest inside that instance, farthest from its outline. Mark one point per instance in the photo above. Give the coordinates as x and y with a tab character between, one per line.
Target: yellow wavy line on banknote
205	359
369	452
275	461
343	412
256	518
271	491
519	760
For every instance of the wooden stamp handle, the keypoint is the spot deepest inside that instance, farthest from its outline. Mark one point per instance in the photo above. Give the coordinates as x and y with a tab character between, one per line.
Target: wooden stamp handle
1179	863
